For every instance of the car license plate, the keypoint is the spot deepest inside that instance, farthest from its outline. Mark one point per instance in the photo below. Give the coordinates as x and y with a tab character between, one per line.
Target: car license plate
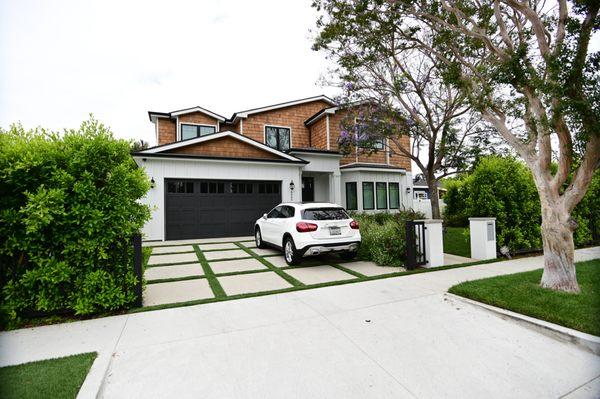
335	231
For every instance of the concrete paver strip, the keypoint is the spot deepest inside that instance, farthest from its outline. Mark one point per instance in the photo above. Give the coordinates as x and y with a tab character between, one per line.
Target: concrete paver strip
230	253
371	268
277	261
176	291
256	282
265	251
450	259
209	247
237	265
195	241
175	249
172	258
187	270
318	274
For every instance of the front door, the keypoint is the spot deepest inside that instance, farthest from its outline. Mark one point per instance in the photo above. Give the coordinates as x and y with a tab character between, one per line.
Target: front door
308	189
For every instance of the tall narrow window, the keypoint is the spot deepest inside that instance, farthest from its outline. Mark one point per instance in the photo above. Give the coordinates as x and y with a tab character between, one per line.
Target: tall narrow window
368	196
278	137
193	131
381	195
351	197
394	195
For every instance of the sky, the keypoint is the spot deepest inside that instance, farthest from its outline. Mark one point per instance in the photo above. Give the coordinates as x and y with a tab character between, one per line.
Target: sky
61	60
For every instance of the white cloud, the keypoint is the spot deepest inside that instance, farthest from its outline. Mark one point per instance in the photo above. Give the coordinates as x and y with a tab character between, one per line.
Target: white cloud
61	60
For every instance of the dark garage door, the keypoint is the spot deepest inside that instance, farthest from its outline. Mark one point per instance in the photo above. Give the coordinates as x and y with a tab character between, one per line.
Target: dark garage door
216	208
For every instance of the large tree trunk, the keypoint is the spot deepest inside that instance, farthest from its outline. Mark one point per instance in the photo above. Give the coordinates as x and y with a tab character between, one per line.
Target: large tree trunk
434	198
559	249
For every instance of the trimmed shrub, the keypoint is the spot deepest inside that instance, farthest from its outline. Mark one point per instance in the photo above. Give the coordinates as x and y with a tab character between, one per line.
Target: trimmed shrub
68	208
384	236
504	188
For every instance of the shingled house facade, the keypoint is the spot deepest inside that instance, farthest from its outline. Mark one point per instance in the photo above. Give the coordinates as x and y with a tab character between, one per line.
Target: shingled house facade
214	176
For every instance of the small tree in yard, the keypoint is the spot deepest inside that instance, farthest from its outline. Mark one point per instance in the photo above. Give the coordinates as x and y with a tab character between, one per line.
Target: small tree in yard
69	204
397	90
525	67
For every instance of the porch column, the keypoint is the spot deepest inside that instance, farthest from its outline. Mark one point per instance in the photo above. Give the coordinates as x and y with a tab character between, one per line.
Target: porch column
335	188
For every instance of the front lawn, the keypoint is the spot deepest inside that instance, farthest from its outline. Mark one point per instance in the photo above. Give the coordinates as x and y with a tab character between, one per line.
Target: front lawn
54	378
456	243
521	293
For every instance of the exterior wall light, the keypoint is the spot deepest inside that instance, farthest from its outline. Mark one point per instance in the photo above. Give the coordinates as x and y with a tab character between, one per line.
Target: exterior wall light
408	190
292	185
152	183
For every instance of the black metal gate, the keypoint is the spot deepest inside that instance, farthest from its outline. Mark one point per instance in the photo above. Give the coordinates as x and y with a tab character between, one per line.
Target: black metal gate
415	244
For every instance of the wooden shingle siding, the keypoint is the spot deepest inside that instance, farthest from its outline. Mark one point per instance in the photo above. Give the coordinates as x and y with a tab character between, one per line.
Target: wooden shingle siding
167	131
293	116
197	117
225	147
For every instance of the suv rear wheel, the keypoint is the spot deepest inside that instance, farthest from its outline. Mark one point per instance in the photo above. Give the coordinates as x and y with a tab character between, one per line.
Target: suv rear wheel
289	252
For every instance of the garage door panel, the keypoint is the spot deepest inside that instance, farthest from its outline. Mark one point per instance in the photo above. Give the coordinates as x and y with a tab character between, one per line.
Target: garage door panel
194	212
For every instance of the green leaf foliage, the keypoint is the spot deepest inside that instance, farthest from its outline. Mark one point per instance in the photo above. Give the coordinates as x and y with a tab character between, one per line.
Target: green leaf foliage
503	188
383	236
68	209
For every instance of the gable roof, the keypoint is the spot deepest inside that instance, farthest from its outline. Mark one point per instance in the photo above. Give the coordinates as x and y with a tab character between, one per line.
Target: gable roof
163	149
153	114
244	114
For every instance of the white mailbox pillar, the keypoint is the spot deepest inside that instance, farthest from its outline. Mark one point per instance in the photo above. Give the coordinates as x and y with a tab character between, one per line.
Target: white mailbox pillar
483	238
434	242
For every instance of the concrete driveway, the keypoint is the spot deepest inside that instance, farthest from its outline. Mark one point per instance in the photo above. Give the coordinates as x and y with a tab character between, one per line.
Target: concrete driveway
214	269
390	338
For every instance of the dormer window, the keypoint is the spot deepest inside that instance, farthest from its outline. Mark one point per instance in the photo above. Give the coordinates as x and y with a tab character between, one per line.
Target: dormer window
278	137
189	131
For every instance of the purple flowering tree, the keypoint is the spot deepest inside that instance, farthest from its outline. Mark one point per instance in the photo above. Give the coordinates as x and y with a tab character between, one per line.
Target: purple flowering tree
393	92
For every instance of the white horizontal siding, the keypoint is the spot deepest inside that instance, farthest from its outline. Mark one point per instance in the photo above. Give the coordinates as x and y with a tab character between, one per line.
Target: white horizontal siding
161	169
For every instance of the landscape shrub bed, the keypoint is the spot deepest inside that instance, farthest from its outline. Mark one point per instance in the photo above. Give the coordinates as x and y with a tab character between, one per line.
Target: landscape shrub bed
503	188
384	236
68	209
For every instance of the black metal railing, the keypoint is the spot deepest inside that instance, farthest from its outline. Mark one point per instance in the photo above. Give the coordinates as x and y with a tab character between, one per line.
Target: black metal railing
137	268
415	244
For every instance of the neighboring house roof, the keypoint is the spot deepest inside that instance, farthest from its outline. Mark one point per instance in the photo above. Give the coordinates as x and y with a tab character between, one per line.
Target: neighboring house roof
153	115
420	182
163	150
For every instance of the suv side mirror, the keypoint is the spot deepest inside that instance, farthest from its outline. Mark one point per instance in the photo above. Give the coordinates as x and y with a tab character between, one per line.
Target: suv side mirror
265	216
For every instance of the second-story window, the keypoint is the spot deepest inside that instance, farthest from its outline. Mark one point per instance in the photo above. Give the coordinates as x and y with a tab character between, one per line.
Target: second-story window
278	137
192	131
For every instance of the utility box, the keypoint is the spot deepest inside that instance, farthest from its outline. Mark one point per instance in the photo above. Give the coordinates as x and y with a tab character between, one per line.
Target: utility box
434	242
483	238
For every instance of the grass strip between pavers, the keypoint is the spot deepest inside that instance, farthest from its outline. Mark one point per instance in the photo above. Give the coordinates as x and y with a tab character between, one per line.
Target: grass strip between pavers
279	272
349	271
218	291
53	378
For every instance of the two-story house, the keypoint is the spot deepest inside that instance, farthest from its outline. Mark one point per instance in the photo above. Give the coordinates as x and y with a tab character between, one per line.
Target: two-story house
214	176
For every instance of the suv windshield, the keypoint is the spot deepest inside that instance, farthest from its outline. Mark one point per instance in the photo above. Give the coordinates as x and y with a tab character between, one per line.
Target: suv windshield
325	214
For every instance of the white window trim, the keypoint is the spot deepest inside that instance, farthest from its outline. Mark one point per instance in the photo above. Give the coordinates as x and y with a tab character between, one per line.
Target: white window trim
282	127
193	124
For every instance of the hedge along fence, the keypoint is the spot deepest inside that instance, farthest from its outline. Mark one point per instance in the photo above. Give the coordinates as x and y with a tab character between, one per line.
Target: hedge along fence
383	236
504	188
68	209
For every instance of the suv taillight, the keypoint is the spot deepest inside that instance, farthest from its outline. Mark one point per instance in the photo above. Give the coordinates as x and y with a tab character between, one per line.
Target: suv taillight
303	227
354	225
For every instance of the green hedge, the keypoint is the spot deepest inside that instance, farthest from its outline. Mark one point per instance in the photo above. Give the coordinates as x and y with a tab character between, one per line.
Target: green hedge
68	208
504	188
384	236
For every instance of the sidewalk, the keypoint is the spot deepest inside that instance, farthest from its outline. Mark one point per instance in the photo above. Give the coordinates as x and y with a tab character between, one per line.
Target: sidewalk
394	337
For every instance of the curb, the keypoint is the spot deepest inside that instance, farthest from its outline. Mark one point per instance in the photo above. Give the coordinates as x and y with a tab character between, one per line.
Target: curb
587	342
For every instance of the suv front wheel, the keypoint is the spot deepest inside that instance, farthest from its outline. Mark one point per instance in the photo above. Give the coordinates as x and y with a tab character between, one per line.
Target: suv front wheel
258	238
289	252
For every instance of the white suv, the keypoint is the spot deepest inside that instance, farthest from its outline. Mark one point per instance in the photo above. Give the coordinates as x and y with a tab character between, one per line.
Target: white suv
308	229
